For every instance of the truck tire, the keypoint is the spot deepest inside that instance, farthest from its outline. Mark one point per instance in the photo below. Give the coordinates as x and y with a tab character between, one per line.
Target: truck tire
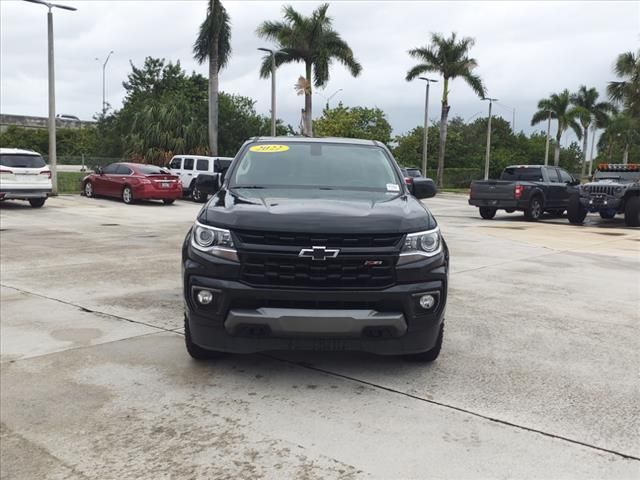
37	202
488	212
533	211
575	211
196	195
196	352
607	214
429	355
632	212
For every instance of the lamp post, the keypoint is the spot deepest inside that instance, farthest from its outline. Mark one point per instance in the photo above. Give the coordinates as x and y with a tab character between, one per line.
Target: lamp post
104	90
328	99
273	88
425	137
52	92
488	154
546	148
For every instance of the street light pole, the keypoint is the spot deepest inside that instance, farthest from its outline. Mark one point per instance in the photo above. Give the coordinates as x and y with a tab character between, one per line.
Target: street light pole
273	89
53	163
104	90
593	142
546	148
425	137
488	154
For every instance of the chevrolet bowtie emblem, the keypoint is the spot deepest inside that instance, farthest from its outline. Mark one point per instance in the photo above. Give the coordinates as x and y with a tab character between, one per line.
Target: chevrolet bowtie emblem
318	253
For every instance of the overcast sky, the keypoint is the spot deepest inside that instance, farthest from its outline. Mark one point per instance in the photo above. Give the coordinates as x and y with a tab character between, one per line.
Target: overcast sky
525	51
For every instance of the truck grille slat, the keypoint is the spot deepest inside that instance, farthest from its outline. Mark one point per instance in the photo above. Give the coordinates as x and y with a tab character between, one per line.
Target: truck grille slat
308	240
266	269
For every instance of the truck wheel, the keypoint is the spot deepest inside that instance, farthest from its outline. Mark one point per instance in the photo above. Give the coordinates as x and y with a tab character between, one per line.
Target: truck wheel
575	211
533	211
37	202
197	195
487	212
632	212
607	214
196	352
429	355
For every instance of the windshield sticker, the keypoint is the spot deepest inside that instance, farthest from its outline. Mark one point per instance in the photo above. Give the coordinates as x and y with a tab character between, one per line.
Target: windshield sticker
392	187
268	148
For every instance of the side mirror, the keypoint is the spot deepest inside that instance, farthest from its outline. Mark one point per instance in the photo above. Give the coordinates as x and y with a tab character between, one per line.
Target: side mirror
209	183
424	188
574	181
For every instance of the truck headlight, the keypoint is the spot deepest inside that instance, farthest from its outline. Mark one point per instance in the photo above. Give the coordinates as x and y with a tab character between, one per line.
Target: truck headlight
426	244
214	241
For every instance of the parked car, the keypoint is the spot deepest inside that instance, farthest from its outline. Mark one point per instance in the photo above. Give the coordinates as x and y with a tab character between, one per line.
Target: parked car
133	181
314	244
24	175
409	174
188	167
533	189
615	189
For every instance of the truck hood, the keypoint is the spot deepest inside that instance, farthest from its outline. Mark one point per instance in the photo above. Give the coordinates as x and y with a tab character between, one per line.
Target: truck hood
316	211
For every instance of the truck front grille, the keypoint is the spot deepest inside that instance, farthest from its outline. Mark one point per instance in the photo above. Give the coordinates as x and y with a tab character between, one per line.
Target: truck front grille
310	239
602	189
344	271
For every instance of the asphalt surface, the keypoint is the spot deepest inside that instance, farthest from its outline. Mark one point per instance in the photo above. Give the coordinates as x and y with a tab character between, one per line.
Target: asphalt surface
539	376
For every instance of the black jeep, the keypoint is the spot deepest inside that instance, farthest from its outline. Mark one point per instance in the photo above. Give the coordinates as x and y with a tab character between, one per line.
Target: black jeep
615	189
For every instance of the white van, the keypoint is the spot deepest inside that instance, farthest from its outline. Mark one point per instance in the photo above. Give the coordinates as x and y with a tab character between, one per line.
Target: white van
24	175
188	167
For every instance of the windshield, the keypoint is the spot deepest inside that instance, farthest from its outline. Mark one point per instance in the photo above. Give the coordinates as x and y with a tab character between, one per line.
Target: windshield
21	161
151	170
521	173
316	165
620	176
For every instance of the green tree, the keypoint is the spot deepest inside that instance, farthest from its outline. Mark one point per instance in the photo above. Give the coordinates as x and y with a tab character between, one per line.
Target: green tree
449	57
559	105
214	45
312	41
354	122
590	111
621	137
627	91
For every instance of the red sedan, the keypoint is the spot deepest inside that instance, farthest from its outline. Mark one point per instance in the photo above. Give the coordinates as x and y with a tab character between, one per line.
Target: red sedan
133	181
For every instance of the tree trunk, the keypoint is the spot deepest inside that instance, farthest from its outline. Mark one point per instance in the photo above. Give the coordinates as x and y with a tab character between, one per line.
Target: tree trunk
625	155
213	98
308	118
585	142
556	151
443	134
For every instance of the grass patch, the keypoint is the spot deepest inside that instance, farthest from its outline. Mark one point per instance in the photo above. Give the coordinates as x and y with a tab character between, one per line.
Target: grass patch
69	182
454	190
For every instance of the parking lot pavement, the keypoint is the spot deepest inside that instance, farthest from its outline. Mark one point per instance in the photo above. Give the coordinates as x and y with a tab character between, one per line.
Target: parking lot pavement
539	375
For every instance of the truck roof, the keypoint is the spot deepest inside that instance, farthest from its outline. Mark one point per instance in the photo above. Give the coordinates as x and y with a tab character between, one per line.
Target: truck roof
527	166
353	141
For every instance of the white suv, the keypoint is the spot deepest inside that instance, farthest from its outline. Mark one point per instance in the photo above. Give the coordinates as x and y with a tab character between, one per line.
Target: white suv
24	176
188	167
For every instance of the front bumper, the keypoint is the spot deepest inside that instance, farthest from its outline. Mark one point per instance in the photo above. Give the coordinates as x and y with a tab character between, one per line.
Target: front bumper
24	193
246	319
598	202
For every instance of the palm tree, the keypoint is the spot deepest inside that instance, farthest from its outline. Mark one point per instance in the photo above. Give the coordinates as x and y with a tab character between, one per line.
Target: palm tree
589	111
448	57
621	129
214	44
559	105
312	41
627	91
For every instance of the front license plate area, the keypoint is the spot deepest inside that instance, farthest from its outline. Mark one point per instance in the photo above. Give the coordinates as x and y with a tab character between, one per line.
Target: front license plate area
319	344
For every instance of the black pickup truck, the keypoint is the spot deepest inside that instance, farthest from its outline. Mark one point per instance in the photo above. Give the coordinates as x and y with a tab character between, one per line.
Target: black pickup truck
533	189
314	244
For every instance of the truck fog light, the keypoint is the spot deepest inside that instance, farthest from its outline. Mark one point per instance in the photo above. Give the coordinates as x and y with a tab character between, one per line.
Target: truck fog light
427	301
205	297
